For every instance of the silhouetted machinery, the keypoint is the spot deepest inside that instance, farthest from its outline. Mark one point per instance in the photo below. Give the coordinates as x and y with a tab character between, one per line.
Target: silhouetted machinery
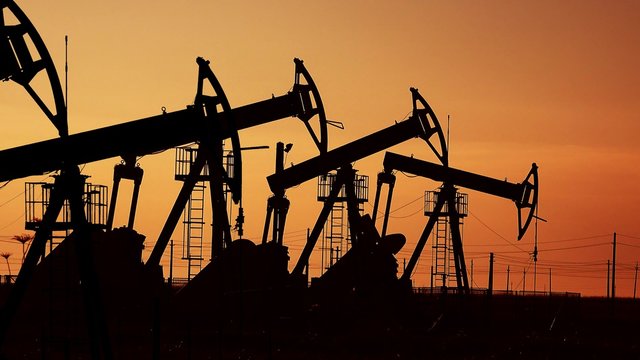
240	270
357	269
370	264
524	195
208	122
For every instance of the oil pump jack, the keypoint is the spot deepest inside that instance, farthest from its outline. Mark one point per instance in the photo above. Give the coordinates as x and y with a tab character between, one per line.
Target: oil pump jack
208	122
366	242
524	195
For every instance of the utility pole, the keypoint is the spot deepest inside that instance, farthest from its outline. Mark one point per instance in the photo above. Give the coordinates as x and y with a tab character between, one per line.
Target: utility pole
535	274
635	281
608	277
613	269
535	251
431	283
490	288
472	273
508	271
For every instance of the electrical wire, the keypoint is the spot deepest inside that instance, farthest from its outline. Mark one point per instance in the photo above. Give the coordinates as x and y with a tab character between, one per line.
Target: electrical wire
625	244
629	236
406	216
497	234
10	200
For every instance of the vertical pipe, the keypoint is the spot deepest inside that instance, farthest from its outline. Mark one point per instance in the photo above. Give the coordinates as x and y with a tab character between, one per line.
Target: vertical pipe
376	202
385	220
134	202
276	213
508	273
114	198
265	232
524	280
549	281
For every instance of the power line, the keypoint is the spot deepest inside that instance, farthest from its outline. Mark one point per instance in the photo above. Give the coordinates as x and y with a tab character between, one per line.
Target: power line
576	239
629	236
625	244
574	247
398	208
495	232
10	200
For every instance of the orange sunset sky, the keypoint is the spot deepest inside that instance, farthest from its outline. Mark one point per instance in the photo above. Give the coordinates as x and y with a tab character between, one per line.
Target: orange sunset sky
555	83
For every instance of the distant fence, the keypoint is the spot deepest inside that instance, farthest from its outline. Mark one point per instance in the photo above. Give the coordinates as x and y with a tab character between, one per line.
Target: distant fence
181	282
445	290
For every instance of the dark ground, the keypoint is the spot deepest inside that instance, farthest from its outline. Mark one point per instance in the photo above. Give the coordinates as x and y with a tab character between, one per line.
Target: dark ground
418	327
246	307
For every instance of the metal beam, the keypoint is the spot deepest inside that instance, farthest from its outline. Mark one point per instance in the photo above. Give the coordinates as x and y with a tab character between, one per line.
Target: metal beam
500	188
346	154
139	137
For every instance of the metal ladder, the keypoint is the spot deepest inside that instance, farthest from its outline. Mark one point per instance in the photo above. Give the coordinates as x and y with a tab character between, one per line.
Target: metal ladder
335	235
193	232
441	240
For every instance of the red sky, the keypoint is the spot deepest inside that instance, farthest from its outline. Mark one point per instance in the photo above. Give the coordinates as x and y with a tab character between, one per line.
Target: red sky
546	82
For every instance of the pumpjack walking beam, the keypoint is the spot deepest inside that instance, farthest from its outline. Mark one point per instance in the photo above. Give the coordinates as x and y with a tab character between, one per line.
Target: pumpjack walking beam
169	130
161	132
422	123
524	195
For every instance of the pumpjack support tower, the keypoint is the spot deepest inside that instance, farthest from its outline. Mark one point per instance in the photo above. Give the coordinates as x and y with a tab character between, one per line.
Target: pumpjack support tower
443	272
336	238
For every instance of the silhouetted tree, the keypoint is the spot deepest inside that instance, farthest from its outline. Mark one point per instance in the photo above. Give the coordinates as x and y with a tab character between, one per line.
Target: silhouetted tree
23	239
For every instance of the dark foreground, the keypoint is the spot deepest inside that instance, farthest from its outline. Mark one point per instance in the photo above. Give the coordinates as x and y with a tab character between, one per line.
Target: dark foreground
245	308
416	327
